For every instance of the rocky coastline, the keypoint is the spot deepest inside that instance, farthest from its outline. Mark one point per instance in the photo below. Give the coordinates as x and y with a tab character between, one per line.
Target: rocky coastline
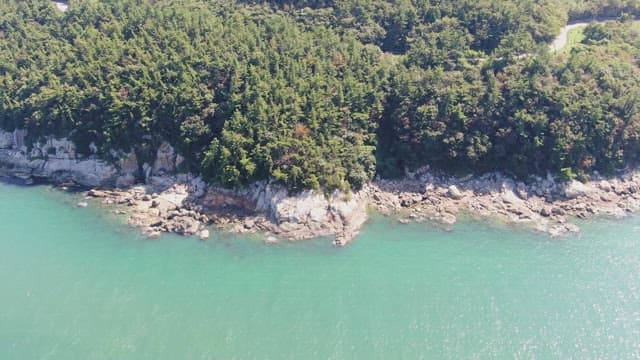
544	204
158	199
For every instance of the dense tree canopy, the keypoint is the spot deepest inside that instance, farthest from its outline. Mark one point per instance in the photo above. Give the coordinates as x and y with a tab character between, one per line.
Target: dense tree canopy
322	94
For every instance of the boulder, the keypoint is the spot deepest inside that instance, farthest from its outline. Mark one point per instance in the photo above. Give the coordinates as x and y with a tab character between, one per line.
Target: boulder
508	197
575	189
271	240
454	193
204	234
604	185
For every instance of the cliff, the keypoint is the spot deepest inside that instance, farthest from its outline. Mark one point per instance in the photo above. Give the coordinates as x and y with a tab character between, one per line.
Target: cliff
158	199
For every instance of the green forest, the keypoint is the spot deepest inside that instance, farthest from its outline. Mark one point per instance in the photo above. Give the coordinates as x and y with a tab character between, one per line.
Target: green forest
328	94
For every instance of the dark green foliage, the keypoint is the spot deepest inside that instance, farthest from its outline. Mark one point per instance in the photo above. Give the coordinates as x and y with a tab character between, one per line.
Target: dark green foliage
396	25
589	9
568	115
322	94
229	86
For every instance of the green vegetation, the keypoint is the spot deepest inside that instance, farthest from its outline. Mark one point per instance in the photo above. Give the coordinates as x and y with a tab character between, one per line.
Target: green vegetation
325	94
574	39
590	9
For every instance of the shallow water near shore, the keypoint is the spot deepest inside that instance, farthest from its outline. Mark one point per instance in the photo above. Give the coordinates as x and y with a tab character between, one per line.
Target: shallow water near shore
77	283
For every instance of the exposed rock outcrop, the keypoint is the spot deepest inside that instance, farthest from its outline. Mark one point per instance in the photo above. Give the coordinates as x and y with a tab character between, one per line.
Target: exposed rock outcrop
128	170
54	160
165	159
269	208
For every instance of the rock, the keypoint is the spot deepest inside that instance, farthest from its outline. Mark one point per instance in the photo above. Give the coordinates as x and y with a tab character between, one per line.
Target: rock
204	234
146	171
179	160
403	221
82	204
454	193
604	185
545	212
161	183
59	167
186	226
152	233
450	209
249	224
562	229
575	189
62	149
522	191
165	159
18	139
606	197
508	197
125	181
271	240
448	219
154	212
6	140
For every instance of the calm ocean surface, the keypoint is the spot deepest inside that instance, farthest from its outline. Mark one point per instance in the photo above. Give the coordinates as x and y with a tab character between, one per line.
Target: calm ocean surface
78	284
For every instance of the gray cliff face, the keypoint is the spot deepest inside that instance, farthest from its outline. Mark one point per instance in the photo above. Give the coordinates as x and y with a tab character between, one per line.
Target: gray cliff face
54	160
269	208
263	207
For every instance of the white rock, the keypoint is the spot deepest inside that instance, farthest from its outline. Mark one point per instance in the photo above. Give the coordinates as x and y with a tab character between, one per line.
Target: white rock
271	240
508	197
454	193
204	234
604	185
575	189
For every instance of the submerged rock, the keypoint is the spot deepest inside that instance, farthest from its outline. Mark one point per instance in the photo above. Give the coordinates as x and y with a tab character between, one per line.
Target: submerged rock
271	240
204	234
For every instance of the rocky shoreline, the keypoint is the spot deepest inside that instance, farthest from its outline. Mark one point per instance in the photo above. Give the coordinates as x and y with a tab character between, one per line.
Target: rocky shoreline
157	199
544	204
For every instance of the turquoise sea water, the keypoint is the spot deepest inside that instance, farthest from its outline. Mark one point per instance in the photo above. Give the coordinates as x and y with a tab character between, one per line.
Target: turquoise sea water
78	284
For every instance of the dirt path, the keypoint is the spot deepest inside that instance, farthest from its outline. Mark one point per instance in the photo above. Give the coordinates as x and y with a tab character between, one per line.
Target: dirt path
561	40
61	5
